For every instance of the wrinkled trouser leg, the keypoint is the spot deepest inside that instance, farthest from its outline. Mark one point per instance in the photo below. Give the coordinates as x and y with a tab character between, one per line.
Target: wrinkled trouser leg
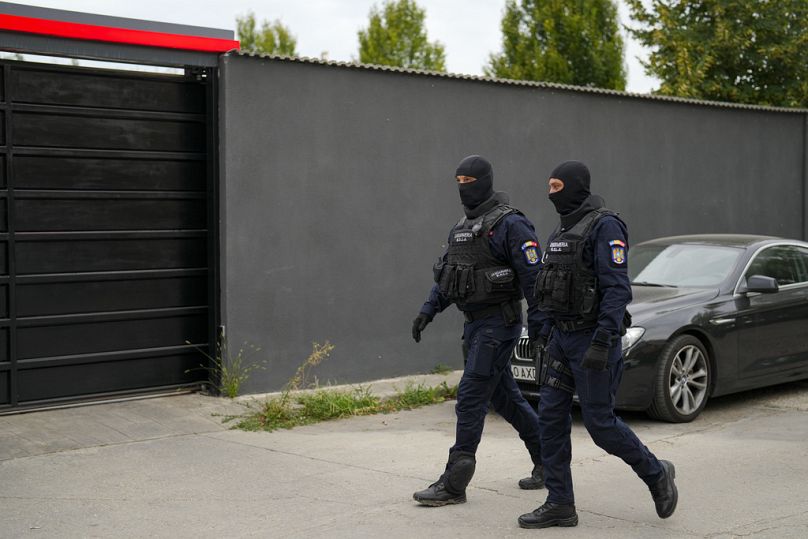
490	343
596	393
509	403
555	424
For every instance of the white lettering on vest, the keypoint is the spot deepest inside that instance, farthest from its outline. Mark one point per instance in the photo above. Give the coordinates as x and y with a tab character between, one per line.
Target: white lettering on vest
559	247
462	237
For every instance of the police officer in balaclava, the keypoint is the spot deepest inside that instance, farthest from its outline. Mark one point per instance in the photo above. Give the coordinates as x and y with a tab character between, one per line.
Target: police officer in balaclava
490	264
583	290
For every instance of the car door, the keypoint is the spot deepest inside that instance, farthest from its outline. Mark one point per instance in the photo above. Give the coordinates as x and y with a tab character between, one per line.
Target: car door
772	327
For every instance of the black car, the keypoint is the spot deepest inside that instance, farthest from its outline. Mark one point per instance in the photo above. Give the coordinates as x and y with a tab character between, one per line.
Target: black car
712	315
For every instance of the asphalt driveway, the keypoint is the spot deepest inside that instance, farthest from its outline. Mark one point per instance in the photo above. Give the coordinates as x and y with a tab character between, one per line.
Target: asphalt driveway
166	467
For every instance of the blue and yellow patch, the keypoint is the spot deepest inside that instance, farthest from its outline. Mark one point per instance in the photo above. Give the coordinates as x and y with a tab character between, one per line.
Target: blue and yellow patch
531	252
618	251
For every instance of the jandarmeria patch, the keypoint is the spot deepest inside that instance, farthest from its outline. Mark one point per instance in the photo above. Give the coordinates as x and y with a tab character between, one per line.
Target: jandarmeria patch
618	252
531	252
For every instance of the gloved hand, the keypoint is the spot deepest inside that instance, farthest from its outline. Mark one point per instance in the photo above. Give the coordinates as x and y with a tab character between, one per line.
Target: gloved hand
596	357
419	324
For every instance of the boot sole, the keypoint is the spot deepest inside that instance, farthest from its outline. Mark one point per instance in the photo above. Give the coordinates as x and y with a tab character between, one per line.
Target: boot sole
440	503
531	486
568	522
675	492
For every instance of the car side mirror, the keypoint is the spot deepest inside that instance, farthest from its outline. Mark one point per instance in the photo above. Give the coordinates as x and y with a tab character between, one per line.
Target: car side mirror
762	284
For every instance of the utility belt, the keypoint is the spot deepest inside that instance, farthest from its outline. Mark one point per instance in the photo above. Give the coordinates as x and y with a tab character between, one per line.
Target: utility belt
569	326
510	311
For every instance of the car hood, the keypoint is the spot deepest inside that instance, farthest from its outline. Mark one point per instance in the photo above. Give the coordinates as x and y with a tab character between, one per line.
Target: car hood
657	300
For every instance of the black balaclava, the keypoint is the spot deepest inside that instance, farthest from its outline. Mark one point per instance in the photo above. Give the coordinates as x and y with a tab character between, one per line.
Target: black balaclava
575	176
475	193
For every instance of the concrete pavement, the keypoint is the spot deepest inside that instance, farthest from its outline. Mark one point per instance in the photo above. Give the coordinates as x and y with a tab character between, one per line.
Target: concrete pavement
167	467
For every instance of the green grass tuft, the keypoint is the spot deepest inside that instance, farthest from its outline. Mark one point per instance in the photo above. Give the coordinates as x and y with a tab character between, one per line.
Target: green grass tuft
226	370
441	368
324	405
415	396
284	412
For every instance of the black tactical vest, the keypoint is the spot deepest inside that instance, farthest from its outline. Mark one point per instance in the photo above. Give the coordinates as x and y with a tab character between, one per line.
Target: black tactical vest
566	286
469	273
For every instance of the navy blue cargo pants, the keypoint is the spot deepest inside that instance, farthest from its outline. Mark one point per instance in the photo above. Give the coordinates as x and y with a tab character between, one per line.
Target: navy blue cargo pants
596	391
487	377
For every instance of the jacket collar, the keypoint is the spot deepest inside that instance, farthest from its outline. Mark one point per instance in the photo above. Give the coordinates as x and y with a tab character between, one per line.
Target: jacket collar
495	200
592	203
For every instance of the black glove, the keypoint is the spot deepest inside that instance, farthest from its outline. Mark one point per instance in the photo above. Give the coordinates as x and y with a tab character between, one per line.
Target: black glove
596	357
419	324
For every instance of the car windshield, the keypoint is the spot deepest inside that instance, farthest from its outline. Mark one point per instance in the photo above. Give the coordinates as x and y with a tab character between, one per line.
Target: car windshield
686	265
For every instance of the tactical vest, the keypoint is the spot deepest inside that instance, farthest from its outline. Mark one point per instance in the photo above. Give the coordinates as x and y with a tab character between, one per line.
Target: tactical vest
469	273
566	286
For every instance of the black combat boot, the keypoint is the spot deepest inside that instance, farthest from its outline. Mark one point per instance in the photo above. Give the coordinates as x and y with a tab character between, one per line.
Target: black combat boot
664	491
536	479
450	488
549	515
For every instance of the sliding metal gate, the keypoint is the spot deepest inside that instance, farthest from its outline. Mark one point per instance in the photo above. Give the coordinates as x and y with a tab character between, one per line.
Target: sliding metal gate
105	200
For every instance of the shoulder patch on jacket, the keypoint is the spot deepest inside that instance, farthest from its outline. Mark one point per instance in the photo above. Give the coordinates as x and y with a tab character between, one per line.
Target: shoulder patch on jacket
531	251
618	252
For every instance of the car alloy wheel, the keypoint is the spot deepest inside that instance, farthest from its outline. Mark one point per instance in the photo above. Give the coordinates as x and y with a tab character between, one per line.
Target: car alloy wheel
682	382
688	379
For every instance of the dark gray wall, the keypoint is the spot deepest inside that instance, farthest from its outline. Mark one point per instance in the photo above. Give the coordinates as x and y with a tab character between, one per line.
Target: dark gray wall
338	194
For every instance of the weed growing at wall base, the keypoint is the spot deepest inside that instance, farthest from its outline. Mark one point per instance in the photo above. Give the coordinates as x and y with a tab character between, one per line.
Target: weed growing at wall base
319	353
227	371
441	368
323	405
415	396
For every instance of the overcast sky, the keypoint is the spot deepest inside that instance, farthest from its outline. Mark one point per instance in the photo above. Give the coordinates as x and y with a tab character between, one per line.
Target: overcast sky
469	29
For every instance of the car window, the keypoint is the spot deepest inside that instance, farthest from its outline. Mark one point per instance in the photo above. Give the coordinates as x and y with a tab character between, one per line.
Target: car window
685	265
783	262
801	257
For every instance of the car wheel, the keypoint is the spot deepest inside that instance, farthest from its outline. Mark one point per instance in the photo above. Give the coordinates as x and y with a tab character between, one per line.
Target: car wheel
683	380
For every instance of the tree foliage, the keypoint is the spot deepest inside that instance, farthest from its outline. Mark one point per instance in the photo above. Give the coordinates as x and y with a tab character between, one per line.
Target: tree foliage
272	38
572	42
396	36
750	51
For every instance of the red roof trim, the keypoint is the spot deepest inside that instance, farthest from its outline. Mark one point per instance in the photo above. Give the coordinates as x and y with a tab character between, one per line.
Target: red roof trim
91	32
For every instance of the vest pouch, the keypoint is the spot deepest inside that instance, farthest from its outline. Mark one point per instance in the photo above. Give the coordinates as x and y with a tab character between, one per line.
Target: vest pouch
452	283
437	269
456	282
561	292
588	300
500	280
445	284
465	281
541	286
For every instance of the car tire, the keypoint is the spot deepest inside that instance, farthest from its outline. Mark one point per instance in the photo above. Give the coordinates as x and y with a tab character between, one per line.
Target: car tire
682	383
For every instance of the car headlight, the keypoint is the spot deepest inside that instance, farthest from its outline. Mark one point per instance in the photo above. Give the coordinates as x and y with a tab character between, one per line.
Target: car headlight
631	337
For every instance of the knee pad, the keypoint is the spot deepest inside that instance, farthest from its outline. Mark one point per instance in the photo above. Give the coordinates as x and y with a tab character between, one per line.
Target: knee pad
459	471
